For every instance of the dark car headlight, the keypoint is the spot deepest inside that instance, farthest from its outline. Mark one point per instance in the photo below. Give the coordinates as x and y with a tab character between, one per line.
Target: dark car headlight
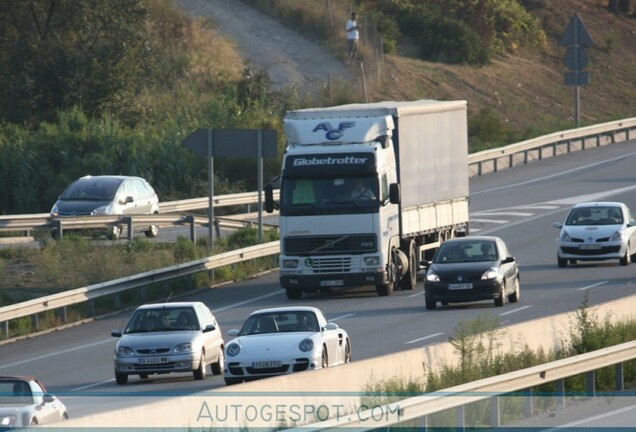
491	273
232	350
431	276
306	345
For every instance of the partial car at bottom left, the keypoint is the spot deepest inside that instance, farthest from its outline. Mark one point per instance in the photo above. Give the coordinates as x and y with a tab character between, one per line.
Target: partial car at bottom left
24	402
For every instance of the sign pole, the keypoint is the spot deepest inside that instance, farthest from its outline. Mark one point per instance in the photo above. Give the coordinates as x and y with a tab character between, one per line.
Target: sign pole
210	192
259	180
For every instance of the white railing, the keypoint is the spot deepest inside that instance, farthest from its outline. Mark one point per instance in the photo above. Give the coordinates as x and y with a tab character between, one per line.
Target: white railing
419	408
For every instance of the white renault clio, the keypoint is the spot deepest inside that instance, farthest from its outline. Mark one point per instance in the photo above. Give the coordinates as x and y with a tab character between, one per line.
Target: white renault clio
595	231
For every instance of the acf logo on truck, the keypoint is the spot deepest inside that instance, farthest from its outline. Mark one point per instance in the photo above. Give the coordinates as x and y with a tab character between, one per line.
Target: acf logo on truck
334	133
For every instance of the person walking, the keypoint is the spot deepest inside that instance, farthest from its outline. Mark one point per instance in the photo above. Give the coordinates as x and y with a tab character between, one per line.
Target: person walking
353	34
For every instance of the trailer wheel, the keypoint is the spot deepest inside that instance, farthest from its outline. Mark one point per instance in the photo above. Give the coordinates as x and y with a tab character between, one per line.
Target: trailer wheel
409	280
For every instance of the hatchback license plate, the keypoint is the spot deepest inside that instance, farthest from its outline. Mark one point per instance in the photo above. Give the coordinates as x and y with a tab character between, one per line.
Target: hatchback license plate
460	286
590	246
266	364
154	360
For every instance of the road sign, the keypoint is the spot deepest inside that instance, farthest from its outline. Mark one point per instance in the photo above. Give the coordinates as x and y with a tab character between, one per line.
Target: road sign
576	34
232	142
576	58
576	78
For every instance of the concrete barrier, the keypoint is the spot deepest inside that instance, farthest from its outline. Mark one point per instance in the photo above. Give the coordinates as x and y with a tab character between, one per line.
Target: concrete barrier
309	397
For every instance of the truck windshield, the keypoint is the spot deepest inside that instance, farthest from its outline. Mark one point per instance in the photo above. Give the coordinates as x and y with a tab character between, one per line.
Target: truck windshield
329	195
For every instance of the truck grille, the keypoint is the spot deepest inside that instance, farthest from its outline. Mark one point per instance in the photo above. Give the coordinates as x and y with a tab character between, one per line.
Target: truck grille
331	265
330	245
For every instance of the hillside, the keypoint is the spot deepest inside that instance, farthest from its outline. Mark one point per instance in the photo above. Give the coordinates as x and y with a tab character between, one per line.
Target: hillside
526	90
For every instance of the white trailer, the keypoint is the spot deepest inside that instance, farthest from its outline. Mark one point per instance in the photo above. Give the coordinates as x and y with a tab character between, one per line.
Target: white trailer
412	160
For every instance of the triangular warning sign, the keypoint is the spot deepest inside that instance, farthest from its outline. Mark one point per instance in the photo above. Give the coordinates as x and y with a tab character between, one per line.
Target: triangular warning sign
576	34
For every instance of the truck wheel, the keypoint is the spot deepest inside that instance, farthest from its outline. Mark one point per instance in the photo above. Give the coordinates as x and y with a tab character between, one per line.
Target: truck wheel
387	289
409	280
293	293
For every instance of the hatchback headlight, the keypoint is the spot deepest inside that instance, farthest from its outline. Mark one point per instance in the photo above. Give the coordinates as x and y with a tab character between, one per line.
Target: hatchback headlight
125	351
306	345
491	273
103	210
565	236
183	348
232	350
617	236
9	420
431	276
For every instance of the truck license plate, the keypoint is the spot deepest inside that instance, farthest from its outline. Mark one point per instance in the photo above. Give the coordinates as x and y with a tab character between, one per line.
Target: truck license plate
331	283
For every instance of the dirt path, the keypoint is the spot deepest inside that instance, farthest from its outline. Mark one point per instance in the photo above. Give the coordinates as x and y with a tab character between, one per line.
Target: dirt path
289	58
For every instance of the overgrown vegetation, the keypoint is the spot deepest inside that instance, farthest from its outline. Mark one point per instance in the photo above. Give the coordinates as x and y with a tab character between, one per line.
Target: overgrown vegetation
476	342
72	263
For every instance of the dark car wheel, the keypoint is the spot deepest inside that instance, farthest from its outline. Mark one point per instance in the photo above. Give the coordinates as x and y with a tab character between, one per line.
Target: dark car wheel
431	304
501	298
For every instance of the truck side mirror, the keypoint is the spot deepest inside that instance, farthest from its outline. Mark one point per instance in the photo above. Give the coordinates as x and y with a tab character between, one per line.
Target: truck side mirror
269	198
394	193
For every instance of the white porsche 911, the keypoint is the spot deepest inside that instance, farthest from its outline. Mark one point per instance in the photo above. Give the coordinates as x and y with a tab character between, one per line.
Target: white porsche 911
283	340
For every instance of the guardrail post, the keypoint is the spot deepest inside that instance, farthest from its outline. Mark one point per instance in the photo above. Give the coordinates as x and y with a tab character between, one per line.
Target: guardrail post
91	308
589	383
460	418
190	220
217	227
619	377
34	322
527	404
129	226
62	314
5	329
560	393
495	414
57	227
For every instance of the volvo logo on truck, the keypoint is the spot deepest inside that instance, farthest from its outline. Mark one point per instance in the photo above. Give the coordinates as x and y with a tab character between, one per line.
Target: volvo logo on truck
334	133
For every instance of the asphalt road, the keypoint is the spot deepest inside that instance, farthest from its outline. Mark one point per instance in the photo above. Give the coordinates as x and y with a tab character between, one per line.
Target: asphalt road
518	205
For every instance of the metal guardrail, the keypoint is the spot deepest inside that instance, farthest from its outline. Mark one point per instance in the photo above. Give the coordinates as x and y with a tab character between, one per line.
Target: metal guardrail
545	146
91	292
418	408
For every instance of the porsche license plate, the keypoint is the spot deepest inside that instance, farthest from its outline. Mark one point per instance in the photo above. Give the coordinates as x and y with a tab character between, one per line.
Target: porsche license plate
460	286
266	364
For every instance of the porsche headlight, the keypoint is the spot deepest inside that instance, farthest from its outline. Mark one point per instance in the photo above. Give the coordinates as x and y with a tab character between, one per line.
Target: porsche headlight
565	236
306	345
491	273
182	348
431	276
233	349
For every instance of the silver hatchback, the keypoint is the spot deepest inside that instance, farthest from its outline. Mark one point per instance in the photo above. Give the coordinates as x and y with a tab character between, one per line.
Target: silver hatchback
108	195
169	337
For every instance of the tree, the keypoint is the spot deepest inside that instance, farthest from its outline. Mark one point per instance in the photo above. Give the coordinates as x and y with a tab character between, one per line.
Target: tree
56	54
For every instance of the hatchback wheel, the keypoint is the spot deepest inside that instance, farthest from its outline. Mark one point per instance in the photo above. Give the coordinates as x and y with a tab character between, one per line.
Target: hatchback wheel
114	232
562	262
627	258
152	231
200	372
217	368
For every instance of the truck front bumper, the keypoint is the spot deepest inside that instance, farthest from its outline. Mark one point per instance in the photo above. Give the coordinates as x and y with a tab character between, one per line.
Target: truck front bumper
332	280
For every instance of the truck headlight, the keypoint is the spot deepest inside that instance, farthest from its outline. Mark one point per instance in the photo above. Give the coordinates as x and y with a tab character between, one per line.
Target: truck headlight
290	264
372	261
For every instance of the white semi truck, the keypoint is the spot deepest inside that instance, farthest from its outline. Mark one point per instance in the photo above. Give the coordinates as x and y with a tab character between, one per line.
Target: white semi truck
367	191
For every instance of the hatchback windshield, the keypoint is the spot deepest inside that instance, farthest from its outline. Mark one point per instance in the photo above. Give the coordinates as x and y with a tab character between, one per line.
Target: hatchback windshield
92	189
595	216
162	319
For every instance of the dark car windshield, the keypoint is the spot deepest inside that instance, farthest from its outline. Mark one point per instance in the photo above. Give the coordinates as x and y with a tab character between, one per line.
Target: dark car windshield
92	189
595	216
468	251
162	319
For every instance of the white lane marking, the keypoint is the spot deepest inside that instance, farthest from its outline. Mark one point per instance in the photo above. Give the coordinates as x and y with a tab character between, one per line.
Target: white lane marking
416	294
599	196
423	338
231	306
489	221
92	385
66	351
591	419
515	310
341	317
537	207
592	286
